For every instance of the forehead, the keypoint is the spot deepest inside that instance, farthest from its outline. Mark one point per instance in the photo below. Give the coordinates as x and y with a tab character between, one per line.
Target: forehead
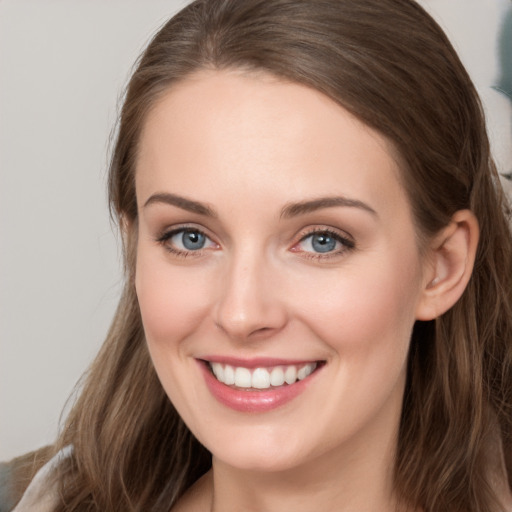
229	134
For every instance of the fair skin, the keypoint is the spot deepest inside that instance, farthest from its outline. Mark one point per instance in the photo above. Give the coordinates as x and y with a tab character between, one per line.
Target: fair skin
258	273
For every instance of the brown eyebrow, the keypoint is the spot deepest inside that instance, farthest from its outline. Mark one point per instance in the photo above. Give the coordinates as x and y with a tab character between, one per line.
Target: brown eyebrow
290	210
295	209
181	202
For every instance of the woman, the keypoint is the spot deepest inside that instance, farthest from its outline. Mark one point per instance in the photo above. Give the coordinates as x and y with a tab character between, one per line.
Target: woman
317	310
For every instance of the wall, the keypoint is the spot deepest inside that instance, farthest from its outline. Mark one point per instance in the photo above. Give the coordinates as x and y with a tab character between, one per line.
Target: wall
63	65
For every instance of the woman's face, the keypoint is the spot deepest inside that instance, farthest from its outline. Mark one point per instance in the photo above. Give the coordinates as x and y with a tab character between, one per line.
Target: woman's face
276	246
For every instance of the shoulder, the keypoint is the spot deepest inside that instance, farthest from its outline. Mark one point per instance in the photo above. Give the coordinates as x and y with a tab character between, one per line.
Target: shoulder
6	494
25	481
506	182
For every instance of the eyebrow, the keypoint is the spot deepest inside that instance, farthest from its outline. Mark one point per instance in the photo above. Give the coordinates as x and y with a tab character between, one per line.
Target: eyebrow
290	210
296	209
181	202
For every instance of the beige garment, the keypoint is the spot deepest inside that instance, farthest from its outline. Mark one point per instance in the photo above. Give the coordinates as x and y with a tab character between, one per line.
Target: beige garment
41	495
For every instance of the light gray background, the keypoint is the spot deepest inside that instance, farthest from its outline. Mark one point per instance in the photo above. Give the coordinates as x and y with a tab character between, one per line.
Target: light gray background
63	64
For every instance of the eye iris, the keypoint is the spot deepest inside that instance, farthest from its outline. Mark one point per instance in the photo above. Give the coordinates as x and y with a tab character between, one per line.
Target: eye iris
192	240
323	242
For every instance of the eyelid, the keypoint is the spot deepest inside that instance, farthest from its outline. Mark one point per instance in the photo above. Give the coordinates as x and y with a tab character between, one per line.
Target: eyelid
167	233
346	240
342	237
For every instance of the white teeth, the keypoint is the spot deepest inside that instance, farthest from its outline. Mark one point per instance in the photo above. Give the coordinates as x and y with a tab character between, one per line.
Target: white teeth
290	374
261	378
243	378
218	371
306	370
229	375
277	376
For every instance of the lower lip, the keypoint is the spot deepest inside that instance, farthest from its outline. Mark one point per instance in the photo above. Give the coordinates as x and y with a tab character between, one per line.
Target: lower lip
253	401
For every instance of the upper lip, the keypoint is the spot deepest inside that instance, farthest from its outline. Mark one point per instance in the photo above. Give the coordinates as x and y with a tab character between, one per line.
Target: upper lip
257	362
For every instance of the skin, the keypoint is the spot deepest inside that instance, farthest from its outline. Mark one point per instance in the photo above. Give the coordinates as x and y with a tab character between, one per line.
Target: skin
247	146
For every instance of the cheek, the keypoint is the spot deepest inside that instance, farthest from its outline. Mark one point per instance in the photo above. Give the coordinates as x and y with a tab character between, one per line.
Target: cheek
172	300
371	308
172	307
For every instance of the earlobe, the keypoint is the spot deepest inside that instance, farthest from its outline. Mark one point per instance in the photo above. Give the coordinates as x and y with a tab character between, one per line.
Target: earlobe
452	257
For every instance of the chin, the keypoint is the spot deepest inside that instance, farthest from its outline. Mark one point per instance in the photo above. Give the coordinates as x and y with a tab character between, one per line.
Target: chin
260	452
258	462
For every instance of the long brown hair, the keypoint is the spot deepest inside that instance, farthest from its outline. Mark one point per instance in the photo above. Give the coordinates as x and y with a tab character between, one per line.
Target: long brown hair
390	64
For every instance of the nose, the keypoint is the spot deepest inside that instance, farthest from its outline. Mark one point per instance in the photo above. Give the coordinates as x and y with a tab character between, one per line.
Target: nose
251	305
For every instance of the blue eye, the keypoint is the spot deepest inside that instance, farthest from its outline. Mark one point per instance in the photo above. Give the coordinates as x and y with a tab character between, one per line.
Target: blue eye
183	241
190	240
324	242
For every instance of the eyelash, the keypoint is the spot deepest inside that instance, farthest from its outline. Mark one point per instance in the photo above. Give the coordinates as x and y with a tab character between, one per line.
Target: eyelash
347	243
164	238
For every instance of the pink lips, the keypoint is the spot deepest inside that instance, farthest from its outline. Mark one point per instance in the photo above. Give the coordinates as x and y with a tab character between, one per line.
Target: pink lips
252	401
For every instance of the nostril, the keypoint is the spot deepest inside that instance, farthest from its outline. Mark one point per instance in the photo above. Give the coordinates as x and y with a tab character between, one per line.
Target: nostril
262	330
241	331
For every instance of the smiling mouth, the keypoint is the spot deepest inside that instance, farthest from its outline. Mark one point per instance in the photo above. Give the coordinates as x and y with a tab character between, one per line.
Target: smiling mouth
263	378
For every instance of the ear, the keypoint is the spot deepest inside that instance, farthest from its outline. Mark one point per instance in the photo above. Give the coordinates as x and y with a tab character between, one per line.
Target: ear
450	264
